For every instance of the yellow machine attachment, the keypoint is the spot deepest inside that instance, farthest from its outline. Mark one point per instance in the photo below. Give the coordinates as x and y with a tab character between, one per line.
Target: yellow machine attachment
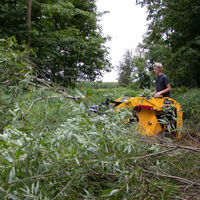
154	115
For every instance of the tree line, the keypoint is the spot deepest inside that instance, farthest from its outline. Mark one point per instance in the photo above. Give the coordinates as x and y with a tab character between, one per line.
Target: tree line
62	38
65	41
172	38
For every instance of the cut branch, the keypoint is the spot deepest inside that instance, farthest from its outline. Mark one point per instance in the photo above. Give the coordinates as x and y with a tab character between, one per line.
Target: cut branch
182	180
36	101
154	154
41	176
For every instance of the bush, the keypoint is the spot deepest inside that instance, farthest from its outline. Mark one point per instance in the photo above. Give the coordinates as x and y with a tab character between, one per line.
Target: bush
12	66
176	92
190	104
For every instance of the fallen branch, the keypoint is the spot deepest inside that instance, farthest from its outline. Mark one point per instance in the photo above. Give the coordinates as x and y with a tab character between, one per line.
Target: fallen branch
182	180
192	138
193	169
36	85
50	85
36	101
40	176
30	107
188	148
67	184
154	154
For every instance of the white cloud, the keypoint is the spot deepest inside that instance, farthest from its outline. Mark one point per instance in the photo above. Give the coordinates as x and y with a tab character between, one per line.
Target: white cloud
126	24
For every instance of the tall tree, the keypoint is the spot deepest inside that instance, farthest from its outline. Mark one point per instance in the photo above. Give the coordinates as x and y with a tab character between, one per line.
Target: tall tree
140	72
133	69
13	19
65	36
28	28
174	26
125	68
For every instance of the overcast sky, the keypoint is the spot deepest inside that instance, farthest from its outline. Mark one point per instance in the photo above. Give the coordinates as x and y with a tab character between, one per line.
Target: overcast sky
126	24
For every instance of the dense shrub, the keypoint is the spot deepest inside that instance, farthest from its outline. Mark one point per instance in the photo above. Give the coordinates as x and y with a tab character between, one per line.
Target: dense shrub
190	103
13	66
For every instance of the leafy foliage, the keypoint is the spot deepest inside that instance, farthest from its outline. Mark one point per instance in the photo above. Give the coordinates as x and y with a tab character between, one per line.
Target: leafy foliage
124	69
53	148
191	109
12	65
140	73
173	38
67	40
14	69
133	70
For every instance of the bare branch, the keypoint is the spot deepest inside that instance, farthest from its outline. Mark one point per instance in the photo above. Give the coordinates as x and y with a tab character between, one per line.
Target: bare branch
153	154
189	148
51	86
36	101
192	138
68	184
182	180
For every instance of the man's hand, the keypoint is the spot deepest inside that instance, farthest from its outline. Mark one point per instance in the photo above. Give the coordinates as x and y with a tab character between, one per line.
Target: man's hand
153	93
157	94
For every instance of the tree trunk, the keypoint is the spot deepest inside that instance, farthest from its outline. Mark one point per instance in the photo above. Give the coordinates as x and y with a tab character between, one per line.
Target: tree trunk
28	27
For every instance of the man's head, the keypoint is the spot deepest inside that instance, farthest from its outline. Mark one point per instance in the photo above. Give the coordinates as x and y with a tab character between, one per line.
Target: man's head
157	68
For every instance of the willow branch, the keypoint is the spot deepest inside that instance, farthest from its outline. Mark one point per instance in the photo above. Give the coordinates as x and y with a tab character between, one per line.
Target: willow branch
36	101
67	184
40	176
182	180
193	138
189	148
49	85
154	154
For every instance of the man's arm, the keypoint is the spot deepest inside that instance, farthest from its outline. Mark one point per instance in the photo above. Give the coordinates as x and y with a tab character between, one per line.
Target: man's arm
168	88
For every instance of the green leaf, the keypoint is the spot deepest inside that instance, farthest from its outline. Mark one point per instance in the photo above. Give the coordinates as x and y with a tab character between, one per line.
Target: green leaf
8	158
25	129
113	192
106	192
2	189
11	175
92	149
12	196
29	196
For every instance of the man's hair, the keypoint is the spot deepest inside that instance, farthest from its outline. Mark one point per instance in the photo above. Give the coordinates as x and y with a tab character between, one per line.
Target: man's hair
158	65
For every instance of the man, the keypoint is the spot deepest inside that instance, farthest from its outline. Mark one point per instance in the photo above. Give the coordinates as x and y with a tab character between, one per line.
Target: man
162	83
